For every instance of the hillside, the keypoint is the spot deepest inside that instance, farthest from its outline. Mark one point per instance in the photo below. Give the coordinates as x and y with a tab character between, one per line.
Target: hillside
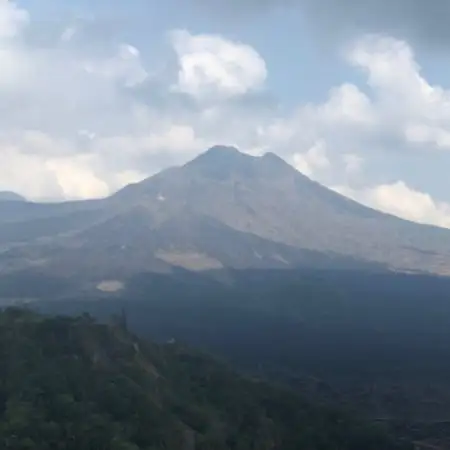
377	343
382	338
71	383
223	210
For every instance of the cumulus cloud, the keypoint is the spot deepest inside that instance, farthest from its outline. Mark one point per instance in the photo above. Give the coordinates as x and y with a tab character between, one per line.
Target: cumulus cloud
398	111
399	104
81	121
12	19
352	162
211	66
71	127
404	96
313	160
402	201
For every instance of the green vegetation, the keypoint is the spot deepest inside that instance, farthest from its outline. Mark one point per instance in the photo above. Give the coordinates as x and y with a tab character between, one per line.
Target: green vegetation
71	383
378	342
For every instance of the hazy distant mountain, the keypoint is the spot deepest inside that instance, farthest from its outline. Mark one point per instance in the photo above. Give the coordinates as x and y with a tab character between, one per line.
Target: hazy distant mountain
224	209
11	196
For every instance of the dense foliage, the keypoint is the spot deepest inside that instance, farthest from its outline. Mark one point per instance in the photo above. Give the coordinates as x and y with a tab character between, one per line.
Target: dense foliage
71	383
381	340
378	343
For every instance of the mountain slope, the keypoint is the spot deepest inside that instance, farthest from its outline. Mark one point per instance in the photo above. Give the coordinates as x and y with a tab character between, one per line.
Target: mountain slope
75	384
224	209
268	198
11	196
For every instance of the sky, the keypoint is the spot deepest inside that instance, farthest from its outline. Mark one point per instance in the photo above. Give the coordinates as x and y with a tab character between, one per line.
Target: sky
354	93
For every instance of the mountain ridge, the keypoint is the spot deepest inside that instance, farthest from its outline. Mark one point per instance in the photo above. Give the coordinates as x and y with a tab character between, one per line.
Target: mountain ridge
223	209
11	196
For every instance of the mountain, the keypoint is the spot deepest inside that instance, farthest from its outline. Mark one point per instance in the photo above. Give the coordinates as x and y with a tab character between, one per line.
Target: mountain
11	196
222	210
72	383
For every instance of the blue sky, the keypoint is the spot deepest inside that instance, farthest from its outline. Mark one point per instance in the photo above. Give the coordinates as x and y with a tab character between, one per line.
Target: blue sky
99	94
297	60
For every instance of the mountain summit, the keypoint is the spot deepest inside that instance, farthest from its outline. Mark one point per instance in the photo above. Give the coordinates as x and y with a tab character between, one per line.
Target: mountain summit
223	162
222	210
220	162
221	151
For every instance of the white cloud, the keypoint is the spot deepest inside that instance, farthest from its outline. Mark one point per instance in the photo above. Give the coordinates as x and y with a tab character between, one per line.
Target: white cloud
398	111
70	128
125	66
13	62
402	99
353	163
313	160
211	66
346	105
12	19
82	121
400	105
402	201
75	178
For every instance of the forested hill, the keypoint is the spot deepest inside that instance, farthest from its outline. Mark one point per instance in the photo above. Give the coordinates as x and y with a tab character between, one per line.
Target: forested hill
71	383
